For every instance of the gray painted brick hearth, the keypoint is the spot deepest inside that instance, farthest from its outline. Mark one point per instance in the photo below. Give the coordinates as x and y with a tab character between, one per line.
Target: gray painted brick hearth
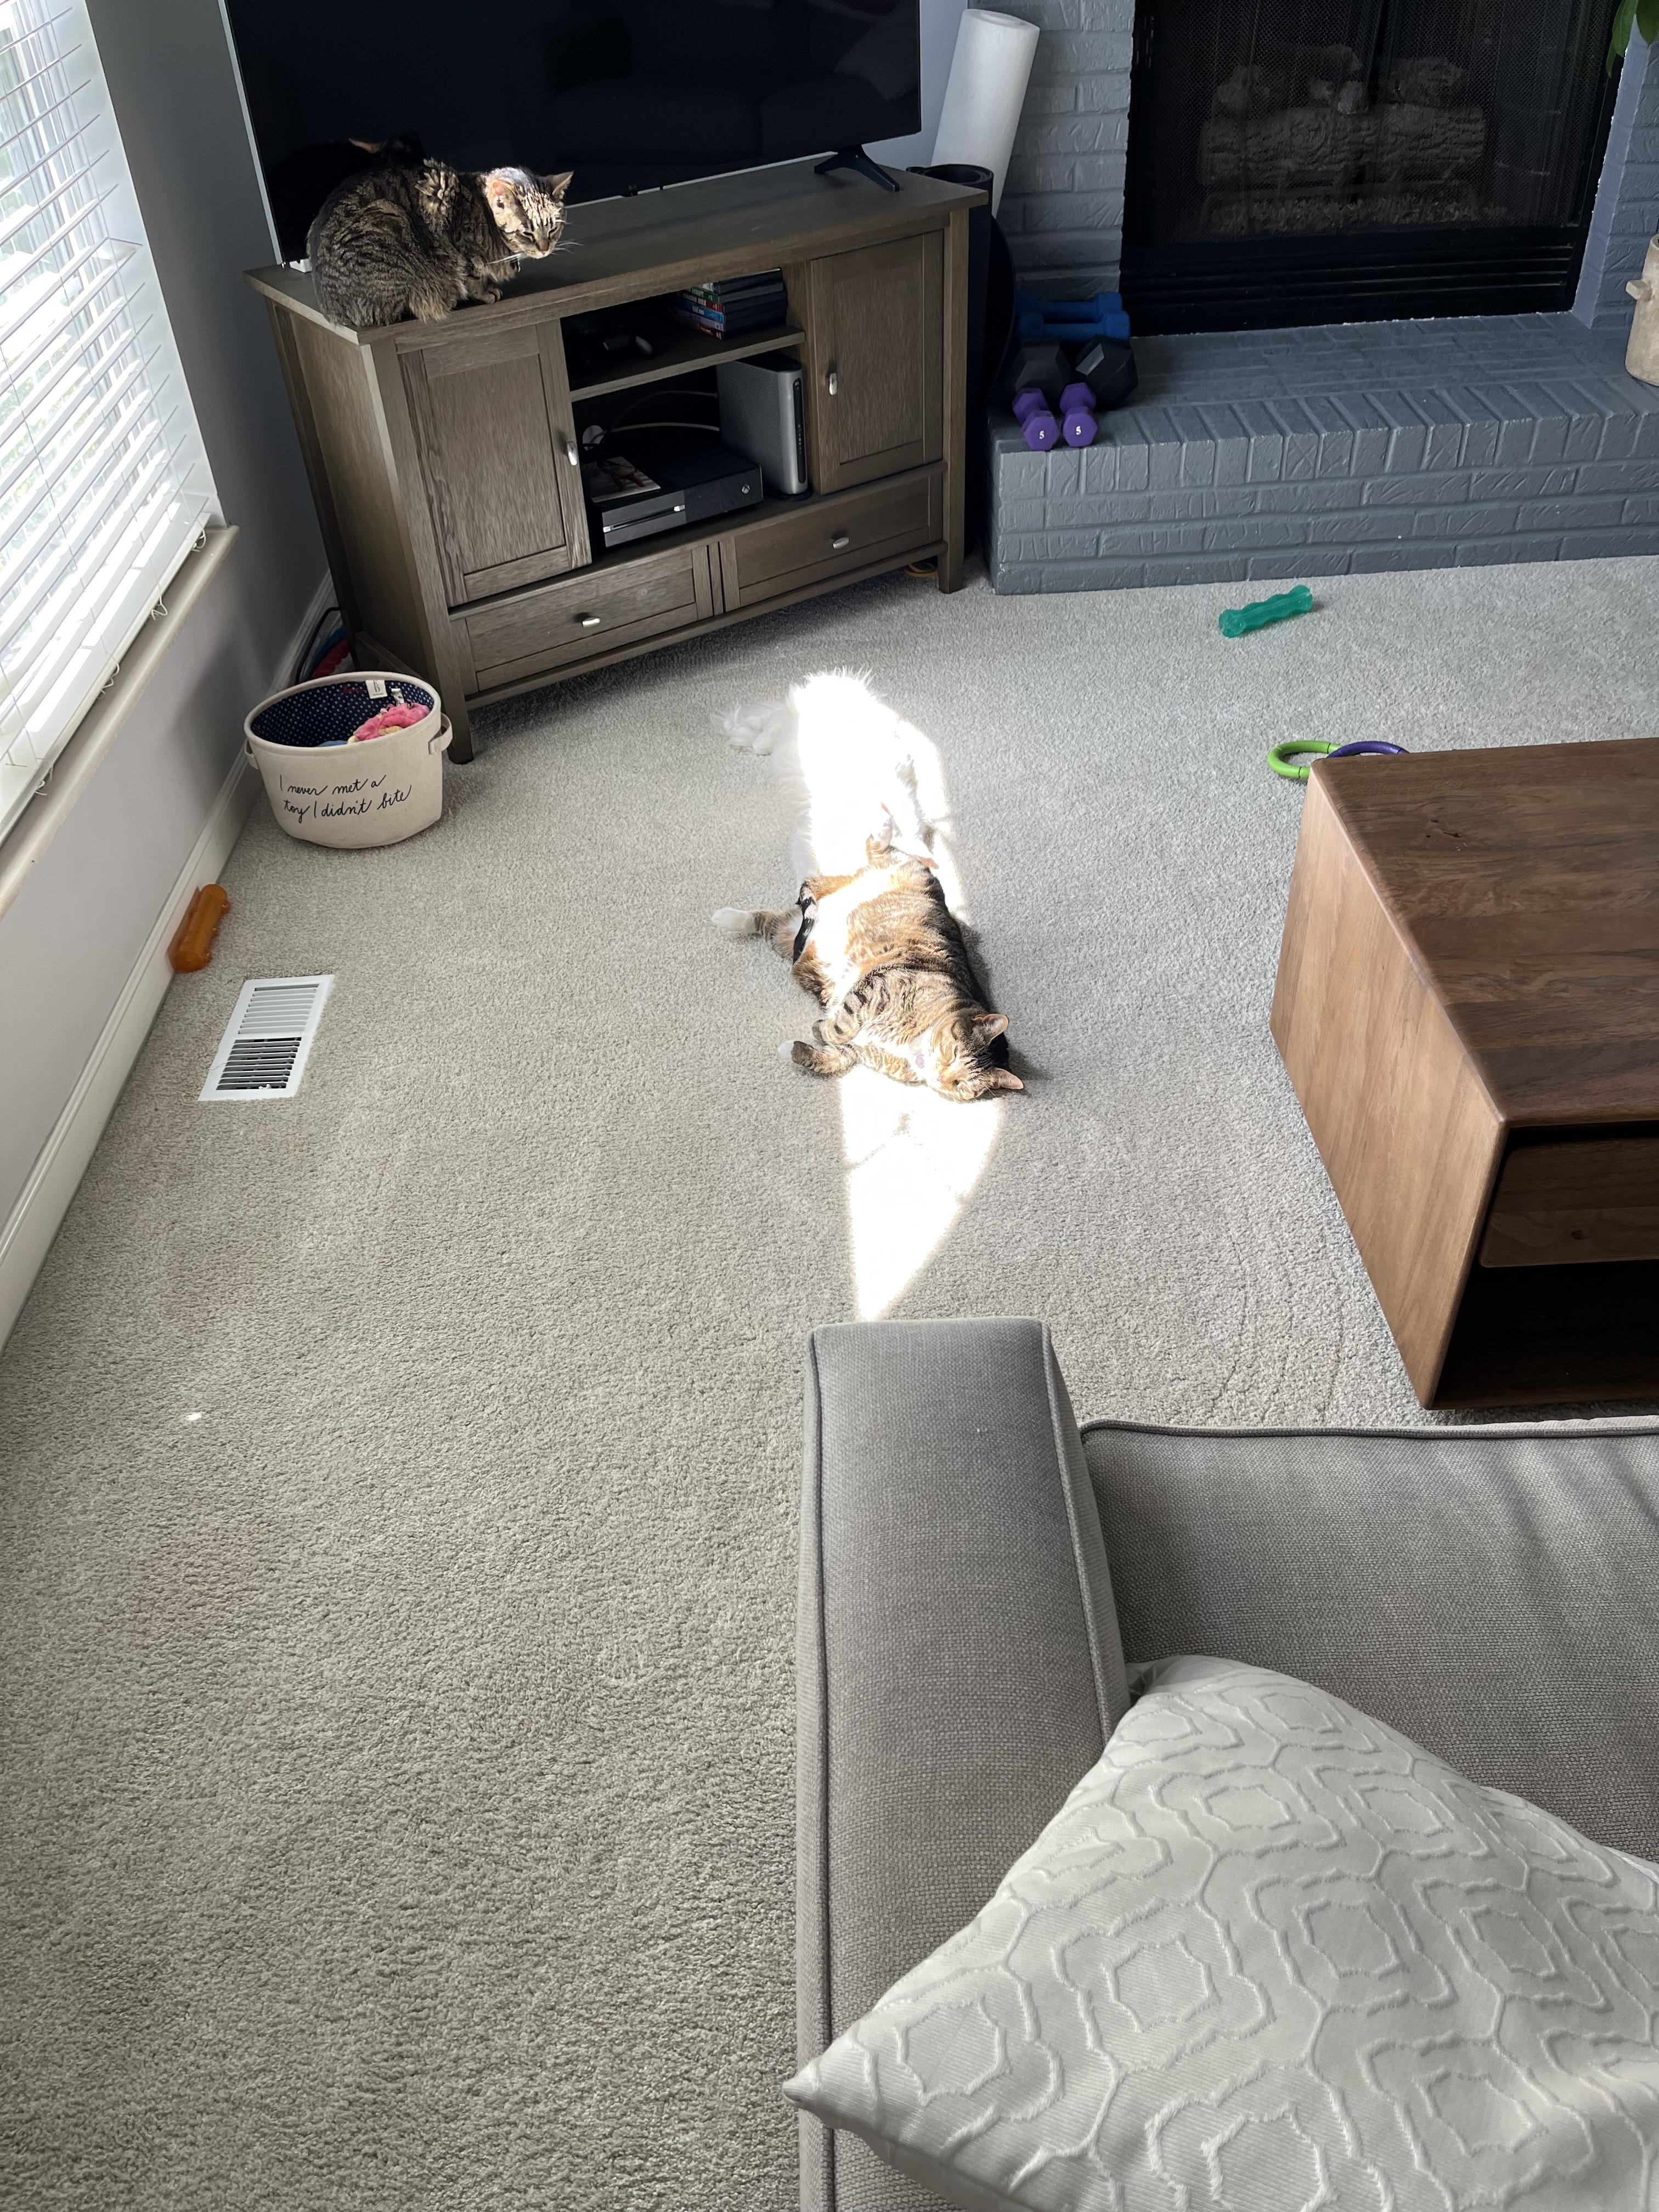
1351	448
1324	451
1627	199
1062	206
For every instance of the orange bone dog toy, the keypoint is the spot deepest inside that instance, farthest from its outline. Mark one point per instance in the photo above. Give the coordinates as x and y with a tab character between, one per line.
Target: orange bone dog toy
192	941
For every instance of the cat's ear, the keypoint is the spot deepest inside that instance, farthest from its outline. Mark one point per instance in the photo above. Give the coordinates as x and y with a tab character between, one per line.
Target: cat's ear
1003	1079
556	187
989	1026
502	195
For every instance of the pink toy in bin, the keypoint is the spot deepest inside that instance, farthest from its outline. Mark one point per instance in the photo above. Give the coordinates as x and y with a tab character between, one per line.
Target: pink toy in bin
389	718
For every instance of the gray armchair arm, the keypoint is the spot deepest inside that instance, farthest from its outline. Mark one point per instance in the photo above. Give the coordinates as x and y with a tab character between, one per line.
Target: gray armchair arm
958	1668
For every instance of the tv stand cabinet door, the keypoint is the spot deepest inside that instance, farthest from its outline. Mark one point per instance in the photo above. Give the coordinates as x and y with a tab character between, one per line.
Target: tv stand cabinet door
496	439
877	358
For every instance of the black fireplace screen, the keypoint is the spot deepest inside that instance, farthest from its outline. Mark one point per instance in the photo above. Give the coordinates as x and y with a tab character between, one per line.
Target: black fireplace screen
1319	160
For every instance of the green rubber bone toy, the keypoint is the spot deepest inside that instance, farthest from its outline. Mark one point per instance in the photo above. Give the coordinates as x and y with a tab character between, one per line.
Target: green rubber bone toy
1236	621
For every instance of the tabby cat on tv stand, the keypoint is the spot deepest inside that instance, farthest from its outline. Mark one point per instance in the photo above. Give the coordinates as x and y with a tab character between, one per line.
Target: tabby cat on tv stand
421	238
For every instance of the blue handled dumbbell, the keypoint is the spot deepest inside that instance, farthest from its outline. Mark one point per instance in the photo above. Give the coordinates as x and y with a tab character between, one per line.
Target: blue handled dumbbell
1077	415
1072	322
1037	418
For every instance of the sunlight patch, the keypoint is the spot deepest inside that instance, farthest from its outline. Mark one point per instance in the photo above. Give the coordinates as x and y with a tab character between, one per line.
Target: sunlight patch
913	1157
911	1160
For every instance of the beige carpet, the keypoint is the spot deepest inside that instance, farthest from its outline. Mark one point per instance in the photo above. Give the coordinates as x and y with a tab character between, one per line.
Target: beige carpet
396	1485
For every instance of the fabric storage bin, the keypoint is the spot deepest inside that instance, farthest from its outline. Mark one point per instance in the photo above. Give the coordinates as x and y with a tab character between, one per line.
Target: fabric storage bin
329	792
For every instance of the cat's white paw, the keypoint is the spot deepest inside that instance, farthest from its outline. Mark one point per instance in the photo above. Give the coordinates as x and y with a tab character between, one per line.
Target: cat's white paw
734	921
733	726
786	1050
752	729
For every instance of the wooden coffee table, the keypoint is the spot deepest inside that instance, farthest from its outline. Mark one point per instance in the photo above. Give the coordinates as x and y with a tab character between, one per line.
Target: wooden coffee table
1467	1004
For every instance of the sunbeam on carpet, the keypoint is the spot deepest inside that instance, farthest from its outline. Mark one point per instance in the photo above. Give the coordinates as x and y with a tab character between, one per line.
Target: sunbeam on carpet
912	1158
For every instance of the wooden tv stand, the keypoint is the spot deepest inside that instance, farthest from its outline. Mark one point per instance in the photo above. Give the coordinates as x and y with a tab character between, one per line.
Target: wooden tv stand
443	457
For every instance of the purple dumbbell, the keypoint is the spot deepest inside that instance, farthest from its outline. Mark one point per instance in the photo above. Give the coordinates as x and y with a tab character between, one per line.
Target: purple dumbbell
1034	413
1077	415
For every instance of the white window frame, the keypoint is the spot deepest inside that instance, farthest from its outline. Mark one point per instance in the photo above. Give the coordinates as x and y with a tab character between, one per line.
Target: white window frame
105	486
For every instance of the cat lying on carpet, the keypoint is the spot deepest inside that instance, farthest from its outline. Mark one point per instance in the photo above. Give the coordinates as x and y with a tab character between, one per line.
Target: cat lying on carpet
418	238
871	936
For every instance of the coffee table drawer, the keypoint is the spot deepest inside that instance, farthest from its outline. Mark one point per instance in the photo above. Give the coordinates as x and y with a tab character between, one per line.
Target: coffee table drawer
847	532
589	613
1564	1201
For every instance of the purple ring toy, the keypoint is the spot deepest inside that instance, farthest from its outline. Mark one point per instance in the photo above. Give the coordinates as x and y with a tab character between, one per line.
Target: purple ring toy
1366	745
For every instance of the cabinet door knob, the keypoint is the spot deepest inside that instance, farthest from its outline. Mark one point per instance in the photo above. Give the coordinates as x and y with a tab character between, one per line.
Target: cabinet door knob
587	621
570	452
840	542
832	381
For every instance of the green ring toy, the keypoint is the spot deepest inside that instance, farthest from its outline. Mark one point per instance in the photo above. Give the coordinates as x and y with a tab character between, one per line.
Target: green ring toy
1281	757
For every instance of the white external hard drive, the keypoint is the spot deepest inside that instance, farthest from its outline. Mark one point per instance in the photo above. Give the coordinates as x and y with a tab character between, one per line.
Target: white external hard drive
763	414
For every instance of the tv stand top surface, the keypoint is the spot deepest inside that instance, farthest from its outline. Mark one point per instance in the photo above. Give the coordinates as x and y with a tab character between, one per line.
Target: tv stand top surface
624	249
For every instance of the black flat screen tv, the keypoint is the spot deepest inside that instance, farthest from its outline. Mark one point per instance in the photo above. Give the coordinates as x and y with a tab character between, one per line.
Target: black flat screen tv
627	93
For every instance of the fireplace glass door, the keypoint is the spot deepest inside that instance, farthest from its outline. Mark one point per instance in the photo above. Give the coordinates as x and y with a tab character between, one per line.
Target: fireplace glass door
1338	161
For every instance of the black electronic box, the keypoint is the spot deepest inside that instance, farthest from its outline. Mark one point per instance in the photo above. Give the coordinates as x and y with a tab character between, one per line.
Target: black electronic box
655	480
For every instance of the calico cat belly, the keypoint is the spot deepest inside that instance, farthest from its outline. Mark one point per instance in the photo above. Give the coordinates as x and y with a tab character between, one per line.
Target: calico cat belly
886	957
830	946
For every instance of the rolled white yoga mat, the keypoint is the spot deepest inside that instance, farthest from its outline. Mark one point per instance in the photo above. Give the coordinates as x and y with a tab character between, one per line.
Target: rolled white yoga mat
989	72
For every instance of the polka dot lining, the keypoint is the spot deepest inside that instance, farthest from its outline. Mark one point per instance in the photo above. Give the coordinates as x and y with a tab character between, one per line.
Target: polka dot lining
327	713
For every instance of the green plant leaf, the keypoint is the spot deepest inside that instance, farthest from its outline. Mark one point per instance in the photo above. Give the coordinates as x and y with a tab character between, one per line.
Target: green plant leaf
1623	24
1647	19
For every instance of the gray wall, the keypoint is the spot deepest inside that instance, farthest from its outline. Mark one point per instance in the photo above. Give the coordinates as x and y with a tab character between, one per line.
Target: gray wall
69	941
1062	206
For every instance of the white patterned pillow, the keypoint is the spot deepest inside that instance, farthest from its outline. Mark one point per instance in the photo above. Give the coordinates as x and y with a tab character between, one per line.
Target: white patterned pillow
1272	1957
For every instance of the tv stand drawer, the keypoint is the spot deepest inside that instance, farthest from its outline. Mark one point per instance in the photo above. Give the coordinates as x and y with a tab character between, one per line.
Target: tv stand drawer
587	613
828	537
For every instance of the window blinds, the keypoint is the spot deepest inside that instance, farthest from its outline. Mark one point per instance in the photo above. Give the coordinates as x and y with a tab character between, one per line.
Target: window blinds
104	486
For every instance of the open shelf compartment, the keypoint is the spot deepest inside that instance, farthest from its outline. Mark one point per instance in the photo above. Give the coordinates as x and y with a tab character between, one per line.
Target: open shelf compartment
692	353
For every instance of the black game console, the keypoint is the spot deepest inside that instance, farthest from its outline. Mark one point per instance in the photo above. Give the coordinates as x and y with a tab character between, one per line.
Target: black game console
641	482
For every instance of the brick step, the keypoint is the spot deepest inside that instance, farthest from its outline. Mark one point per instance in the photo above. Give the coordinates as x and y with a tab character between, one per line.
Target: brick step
1338	450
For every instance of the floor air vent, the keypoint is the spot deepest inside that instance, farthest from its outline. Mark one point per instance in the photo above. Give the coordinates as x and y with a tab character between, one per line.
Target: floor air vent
267	1039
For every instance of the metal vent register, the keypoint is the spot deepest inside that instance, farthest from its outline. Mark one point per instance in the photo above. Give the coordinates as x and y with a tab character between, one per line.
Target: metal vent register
268	1038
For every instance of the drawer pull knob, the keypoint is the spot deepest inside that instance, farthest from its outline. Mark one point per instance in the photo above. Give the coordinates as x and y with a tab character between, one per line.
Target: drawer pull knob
587	621
840	542
833	383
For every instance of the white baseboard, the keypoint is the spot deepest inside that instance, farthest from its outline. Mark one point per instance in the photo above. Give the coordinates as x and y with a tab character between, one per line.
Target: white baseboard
64	1157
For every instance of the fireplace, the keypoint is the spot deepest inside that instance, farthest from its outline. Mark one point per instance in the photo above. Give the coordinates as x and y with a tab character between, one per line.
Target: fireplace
1358	161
